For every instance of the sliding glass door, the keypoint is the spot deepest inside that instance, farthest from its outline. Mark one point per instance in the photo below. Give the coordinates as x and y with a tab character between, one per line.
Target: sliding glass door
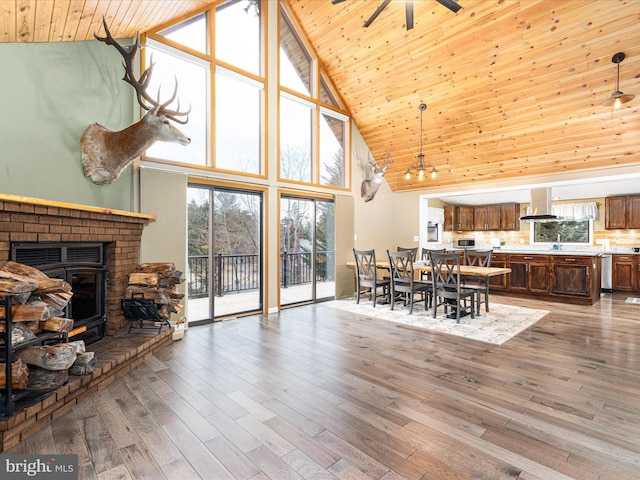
307	250
225	252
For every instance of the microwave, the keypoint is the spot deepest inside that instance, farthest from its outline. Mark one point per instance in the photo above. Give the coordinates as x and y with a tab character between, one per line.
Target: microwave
465	242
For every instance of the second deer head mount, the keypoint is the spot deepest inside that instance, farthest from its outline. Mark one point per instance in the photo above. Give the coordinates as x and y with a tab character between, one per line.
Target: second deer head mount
105	153
369	187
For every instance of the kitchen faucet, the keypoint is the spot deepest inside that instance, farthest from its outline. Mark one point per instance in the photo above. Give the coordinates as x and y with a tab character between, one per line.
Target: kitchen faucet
559	242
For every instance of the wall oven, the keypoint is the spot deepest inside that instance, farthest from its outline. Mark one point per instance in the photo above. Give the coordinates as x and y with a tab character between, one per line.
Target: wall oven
433	235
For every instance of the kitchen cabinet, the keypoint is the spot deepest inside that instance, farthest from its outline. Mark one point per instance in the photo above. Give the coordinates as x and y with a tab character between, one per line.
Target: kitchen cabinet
499	282
622	212
509	216
480	218
458	218
573	275
465	218
633	211
529	273
461	218
554	277
450	218
493	217
625	272
486	217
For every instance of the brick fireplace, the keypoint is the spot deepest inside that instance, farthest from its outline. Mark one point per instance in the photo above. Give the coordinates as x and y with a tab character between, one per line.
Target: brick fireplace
26	221
30	220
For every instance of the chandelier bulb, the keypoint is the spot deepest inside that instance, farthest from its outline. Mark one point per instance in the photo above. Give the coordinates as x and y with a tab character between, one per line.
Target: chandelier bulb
407	175
617	103
421	175
433	173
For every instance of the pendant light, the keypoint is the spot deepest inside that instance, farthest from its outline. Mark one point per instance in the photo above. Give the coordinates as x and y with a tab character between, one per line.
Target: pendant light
420	166
617	98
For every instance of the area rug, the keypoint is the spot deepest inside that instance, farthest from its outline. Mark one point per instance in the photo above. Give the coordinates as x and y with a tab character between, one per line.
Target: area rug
635	300
499	325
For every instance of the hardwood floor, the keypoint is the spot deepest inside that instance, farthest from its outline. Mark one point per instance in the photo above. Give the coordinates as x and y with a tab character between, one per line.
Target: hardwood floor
316	393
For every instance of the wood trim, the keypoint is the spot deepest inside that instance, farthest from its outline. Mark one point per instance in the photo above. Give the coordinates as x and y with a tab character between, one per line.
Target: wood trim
87	208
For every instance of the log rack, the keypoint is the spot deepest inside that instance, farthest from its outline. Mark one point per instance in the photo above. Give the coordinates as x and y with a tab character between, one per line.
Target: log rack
138	309
7	350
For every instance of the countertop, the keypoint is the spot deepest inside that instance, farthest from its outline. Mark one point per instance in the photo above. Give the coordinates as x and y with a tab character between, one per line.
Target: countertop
574	253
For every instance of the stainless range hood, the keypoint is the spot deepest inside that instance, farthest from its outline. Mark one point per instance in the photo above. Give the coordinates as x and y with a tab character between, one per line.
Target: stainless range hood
540	208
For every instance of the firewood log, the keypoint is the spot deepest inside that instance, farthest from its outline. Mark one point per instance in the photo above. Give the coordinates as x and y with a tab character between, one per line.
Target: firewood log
20	271
15	286
19	375
51	285
57	324
57	300
79	345
50	357
84	364
143	279
44	380
162	268
21	313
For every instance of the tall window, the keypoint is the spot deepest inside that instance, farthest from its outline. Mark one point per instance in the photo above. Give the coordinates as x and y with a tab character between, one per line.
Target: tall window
228	136
190	75
313	127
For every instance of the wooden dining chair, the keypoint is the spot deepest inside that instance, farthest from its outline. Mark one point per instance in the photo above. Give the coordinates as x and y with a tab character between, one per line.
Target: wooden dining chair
447	286
413	250
479	258
367	276
424	255
403	280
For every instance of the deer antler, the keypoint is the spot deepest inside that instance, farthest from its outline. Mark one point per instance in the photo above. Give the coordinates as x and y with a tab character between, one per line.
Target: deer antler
128	53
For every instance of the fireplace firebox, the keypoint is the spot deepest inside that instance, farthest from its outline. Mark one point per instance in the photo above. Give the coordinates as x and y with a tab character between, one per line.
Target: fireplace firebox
83	266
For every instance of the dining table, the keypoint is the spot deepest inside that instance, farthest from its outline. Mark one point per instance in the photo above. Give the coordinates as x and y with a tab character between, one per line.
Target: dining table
465	270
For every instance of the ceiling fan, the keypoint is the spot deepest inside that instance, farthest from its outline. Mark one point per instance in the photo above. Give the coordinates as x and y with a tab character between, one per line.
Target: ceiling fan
450	4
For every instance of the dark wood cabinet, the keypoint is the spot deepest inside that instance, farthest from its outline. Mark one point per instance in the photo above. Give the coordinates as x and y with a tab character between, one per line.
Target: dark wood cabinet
624	272
465	218
450	218
480	218
572	275
461	218
566	278
493	217
633	211
509	216
499	282
622	212
486	217
529	273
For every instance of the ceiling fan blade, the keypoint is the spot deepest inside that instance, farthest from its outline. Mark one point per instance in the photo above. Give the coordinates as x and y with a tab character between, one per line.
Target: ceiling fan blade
377	12
408	5
334	2
450	4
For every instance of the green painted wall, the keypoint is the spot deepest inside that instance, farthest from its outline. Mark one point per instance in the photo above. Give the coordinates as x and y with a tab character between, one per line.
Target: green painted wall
50	93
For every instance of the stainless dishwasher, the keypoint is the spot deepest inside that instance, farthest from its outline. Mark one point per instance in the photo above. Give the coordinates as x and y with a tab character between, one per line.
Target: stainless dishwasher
607	273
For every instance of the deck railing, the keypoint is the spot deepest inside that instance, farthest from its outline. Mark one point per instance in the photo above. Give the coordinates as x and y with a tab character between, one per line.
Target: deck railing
238	273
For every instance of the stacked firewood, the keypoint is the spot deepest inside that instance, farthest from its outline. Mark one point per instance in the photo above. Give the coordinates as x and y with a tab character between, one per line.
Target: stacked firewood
37	304
37	301
157	282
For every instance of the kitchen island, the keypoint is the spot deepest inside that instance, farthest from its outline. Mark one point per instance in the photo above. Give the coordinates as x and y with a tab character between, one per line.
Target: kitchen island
554	275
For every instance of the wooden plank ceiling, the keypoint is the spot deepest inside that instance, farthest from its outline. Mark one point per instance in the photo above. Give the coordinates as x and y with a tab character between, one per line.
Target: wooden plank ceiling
513	88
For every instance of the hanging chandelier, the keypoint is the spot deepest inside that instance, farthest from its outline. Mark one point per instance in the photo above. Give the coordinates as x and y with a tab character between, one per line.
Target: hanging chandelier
420	166
617	98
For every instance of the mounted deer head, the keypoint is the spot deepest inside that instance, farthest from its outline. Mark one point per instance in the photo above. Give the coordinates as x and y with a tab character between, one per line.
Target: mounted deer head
369	187
105	153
